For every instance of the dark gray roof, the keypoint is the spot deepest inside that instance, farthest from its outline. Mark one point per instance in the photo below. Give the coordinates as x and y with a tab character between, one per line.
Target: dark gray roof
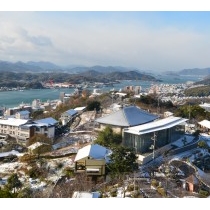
127	116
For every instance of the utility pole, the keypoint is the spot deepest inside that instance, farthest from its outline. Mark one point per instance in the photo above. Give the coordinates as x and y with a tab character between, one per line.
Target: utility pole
153	146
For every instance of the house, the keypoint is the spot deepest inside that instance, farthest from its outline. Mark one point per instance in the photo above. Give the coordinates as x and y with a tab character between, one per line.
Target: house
205	125
46	126
80	109
92	159
166	130
22	114
125	117
68	116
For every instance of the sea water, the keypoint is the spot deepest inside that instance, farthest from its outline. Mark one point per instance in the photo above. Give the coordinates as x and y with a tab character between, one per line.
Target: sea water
14	98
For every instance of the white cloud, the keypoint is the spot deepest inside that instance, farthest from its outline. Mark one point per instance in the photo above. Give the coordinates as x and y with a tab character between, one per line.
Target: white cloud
72	40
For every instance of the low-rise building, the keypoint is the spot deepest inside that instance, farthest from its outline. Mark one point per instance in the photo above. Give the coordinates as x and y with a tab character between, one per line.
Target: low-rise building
23	129
68	116
92	159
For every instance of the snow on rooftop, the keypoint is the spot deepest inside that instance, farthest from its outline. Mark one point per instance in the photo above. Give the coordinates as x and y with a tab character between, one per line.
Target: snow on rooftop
80	108
78	194
13	121
205	123
180	143
156	125
92	150
5	154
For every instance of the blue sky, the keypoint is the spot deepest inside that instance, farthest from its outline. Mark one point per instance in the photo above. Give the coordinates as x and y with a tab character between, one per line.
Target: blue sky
151	40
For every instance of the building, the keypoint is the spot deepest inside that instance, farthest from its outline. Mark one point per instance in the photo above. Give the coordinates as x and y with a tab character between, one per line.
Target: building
68	116
23	129
22	107
163	131
14	127
22	114
81	109
92	160
46	126
205	106
204	126
125	117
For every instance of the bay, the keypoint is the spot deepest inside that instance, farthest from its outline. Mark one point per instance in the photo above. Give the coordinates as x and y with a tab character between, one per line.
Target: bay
14	98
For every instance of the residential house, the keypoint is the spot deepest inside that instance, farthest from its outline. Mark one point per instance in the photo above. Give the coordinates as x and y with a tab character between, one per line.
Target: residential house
46	126
68	116
22	114
92	160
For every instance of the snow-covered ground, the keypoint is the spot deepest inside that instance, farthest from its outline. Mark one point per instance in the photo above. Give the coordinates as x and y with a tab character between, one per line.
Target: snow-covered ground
183	141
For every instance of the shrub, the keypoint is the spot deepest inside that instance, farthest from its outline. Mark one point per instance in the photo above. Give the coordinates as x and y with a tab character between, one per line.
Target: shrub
161	191
135	194
113	192
154	183
203	193
131	188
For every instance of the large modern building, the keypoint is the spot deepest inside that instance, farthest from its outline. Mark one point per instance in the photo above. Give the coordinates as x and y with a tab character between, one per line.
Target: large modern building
126	117
163	131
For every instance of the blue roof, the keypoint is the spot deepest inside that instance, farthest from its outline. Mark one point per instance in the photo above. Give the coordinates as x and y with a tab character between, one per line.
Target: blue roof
128	116
71	112
24	112
48	121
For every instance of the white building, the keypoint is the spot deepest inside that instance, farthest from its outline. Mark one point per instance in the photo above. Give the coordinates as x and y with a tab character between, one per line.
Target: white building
23	129
22	115
205	106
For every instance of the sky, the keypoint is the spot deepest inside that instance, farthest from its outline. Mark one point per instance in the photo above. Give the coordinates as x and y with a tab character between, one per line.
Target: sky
156	40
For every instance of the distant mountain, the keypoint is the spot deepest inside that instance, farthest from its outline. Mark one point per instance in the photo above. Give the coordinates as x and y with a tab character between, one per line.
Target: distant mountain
129	75
205	81
44	65
195	71
18	67
101	69
14	79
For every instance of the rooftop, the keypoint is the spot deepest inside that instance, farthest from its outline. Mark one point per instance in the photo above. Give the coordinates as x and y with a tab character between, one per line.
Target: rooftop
92	150
127	116
156	125
13	121
47	121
